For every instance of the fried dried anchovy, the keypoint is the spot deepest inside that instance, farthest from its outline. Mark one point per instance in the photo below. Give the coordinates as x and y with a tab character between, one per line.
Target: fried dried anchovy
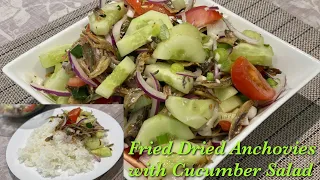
141	61
206	95
124	28
88	56
84	66
132	97
236	126
207	66
135	122
102	66
222	83
122	91
210	137
167	90
49	138
230	38
99	14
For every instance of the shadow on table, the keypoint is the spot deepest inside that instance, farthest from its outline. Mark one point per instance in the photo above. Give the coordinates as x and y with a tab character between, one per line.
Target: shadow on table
283	128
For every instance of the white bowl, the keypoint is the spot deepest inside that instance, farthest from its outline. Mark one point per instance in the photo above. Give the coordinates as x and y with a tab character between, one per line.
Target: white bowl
287	58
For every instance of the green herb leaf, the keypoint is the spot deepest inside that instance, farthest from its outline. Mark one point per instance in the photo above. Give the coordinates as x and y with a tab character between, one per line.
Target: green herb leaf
119	8
89	125
163	139
77	51
80	93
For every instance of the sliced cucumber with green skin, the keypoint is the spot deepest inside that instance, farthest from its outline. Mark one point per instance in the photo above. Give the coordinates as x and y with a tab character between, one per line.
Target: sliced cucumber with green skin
92	143
116	78
139	38
179	47
254	35
186	29
143	101
58	80
192	112
164	73
225	93
113	13
54	56
162	124
145	19
169	161
257	55
230	104
102	152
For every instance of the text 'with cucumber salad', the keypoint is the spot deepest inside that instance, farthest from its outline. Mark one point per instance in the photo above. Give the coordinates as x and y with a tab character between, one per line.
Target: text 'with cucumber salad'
183	72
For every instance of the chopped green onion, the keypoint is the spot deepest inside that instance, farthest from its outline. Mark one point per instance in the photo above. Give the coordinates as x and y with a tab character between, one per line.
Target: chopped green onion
163	139
77	51
224	45
210	76
89	125
221	54
243	97
272	82
177	67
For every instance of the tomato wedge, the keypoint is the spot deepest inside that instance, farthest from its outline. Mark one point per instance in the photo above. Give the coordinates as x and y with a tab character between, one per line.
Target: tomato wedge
29	108
202	15
76	82
248	80
225	125
141	7
73	115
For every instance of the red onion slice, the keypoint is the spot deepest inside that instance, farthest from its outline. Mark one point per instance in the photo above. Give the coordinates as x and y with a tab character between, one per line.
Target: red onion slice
108	38
78	70
140	50
144	158
78	123
155	103
148	89
240	35
216	143
216	71
117	28
97	158
130	12
50	91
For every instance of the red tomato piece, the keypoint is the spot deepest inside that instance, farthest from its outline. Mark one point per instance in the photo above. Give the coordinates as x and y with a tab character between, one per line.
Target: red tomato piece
202	15
141	7
73	115
76	82
249	81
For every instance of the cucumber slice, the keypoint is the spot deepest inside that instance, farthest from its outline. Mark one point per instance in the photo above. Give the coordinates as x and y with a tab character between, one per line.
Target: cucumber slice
192	112
145	19
102	25
254	35
230	104
179	47
62	100
102	152
169	161
225	93
159	125
139	38
92	143
186	29
54	56
58	80
178	4
257	55
116	78
181	83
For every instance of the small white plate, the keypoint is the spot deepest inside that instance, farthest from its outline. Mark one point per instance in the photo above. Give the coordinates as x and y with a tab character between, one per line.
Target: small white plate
20	137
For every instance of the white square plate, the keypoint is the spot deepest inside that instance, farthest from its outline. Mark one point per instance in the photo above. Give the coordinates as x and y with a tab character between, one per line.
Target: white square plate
287	58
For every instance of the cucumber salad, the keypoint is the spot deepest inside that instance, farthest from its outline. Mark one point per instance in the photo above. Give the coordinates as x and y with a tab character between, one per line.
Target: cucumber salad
183	72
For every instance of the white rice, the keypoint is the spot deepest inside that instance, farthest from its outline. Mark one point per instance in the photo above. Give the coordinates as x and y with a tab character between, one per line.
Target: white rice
62	155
